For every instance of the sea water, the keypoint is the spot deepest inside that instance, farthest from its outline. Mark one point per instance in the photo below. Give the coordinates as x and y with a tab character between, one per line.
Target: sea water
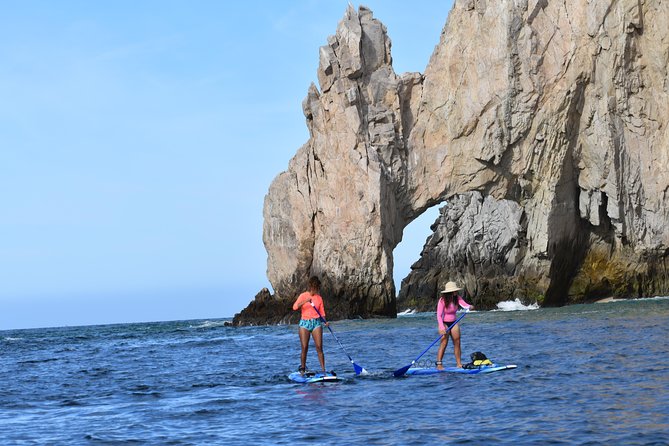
587	374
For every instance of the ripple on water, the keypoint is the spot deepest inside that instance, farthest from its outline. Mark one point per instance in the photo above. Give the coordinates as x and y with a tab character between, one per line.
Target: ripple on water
584	376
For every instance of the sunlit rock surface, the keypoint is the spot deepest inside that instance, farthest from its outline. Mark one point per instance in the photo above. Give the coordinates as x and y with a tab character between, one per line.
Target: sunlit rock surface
550	117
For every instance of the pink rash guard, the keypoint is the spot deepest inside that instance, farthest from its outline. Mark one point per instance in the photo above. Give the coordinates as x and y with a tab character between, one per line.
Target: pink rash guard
446	313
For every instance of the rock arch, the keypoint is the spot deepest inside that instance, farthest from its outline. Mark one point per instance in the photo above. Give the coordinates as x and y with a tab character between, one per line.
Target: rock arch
556	109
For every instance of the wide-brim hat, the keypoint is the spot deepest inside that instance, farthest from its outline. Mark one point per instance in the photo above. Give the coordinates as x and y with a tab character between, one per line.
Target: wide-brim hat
450	287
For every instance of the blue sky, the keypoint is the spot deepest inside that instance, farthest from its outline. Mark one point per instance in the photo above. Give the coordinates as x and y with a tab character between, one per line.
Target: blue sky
137	143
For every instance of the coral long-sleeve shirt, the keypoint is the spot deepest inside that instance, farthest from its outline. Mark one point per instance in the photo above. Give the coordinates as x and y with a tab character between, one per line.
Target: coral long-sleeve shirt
308	311
446	313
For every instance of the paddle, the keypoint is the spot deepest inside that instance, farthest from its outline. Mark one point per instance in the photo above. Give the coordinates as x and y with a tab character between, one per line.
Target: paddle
358	369
403	370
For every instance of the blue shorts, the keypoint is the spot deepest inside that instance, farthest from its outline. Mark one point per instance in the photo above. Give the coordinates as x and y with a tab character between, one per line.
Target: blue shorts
311	324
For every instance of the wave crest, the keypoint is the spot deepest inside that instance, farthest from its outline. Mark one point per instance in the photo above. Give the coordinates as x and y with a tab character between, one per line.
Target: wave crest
515	305
407	312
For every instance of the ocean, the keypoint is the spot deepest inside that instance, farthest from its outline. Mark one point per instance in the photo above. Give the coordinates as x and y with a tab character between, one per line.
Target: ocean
587	374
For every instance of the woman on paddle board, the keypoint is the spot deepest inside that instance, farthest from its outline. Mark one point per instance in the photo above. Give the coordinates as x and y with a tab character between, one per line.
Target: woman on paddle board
311	324
448	304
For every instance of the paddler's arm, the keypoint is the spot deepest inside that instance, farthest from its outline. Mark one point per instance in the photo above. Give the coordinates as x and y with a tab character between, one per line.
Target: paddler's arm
300	301
464	304
440	315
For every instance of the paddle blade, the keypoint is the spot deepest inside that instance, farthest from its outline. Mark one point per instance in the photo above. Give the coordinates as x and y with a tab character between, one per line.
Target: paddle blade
359	370
400	372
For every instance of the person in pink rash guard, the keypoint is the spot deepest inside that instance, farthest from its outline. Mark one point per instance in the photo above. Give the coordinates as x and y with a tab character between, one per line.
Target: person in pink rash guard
311	324
449	302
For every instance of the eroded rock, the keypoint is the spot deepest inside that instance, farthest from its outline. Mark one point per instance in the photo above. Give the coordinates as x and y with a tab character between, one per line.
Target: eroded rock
555	111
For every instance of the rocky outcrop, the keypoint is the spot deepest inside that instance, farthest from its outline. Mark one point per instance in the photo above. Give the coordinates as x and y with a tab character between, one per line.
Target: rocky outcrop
548	117
267	309
334	211
561	107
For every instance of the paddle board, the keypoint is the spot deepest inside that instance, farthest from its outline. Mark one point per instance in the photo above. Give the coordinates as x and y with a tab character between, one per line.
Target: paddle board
311	377
484	369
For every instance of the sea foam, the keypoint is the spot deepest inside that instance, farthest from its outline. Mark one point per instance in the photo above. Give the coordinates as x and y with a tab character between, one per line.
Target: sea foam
407	312
515	305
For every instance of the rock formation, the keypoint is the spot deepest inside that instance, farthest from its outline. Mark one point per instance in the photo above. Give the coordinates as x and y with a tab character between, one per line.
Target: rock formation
267	309
545	119
561	107
334	211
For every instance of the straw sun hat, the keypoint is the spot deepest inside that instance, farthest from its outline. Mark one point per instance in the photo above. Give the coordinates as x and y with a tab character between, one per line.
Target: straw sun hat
450	287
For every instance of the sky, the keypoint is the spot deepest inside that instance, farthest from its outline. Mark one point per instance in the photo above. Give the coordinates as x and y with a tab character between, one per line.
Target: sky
139	138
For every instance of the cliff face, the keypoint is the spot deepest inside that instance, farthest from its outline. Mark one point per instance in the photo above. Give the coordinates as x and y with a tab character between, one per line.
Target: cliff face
541	125
333	212
562	108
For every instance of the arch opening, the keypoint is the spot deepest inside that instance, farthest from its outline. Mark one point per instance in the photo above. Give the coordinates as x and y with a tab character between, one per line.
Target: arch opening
414	237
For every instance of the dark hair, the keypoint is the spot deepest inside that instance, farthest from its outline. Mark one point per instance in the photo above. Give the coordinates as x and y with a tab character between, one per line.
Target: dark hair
451	297
314	284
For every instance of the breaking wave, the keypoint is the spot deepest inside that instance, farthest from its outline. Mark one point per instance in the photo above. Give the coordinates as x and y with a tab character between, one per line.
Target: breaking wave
407	312
515	305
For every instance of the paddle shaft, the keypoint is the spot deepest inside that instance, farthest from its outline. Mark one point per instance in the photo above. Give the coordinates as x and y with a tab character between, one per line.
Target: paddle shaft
440	336
358	369
327	325
404	369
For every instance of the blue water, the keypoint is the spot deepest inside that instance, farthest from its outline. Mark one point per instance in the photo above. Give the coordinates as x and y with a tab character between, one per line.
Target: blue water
587	374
